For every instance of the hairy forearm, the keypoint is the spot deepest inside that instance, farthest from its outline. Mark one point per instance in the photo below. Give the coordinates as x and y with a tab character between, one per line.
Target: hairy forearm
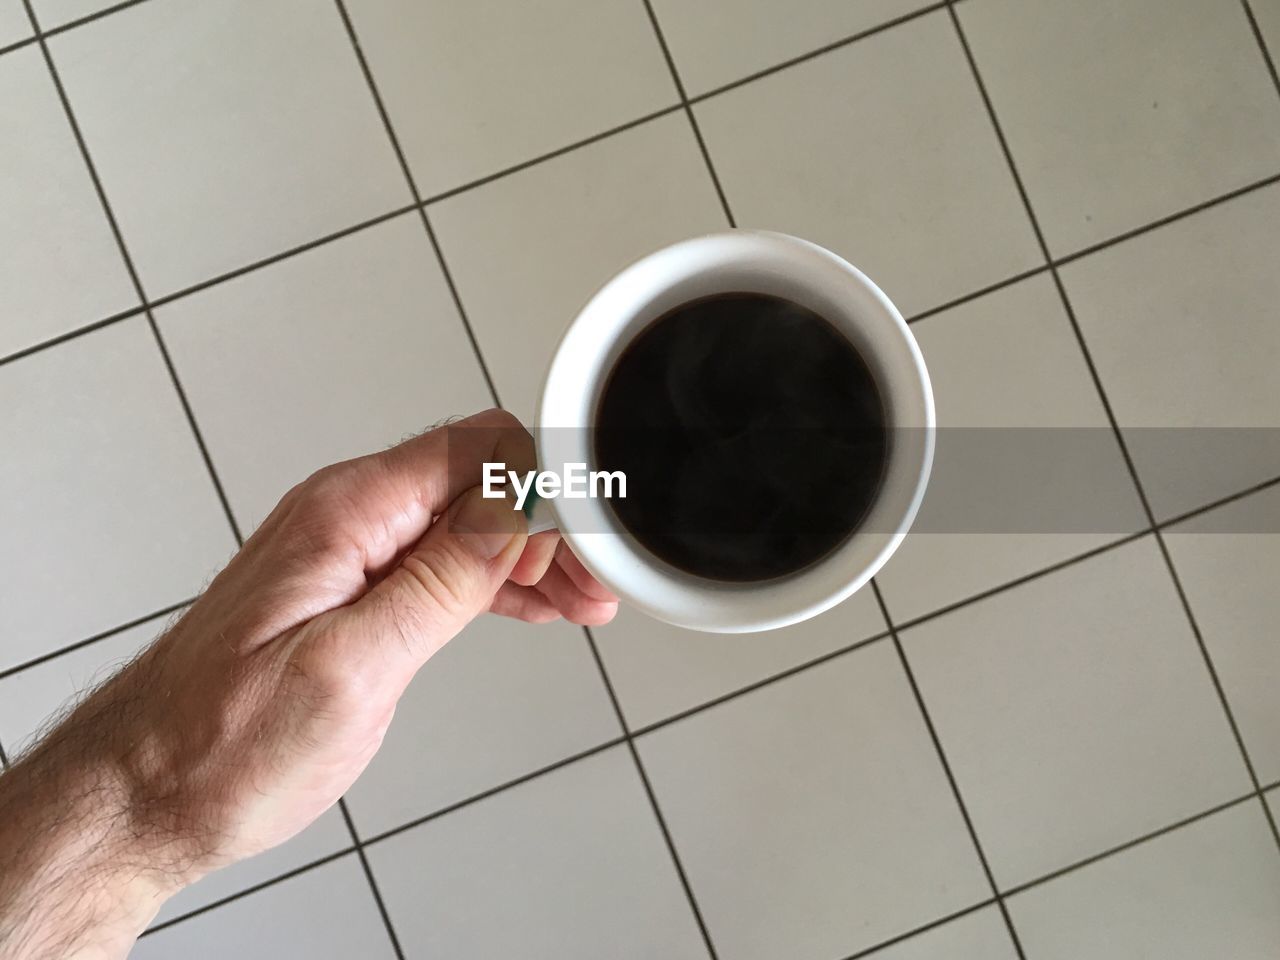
79	877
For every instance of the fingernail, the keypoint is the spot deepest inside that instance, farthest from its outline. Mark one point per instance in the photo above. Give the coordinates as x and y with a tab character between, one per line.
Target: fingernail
486	525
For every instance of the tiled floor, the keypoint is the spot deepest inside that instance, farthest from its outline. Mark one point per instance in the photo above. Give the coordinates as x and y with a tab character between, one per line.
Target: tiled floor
242	261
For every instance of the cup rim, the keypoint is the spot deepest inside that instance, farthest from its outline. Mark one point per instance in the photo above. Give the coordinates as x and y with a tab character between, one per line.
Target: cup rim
736	261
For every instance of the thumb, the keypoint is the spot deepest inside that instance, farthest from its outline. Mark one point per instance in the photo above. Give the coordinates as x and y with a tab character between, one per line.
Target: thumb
448	578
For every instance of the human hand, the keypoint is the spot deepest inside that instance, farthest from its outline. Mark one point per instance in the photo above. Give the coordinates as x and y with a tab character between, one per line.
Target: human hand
261	706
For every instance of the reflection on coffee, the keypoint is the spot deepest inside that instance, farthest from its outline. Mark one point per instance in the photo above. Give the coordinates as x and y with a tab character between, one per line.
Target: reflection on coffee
752	435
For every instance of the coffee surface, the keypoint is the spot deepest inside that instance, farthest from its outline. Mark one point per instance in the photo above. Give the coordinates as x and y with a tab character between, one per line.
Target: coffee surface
751	433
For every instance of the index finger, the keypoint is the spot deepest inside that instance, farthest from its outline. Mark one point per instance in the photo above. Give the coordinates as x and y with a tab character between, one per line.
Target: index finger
390	498
437	467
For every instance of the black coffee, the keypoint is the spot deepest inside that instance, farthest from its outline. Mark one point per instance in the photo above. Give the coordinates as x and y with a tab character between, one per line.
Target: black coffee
751	433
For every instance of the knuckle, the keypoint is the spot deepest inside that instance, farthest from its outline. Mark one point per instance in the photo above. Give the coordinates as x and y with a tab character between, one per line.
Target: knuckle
328	484
319	485
502	419
328	682
500	427
316	508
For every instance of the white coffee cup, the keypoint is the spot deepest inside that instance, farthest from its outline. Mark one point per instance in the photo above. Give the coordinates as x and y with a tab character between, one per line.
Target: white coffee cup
739	261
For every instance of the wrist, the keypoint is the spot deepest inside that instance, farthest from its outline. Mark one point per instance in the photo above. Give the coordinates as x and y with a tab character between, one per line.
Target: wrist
79	875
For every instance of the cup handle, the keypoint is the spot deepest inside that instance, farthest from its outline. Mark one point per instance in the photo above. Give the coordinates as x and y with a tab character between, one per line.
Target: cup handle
538	512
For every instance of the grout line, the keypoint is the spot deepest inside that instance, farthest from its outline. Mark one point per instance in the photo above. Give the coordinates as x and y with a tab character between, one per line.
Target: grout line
283	255
72	334
130	267
999	132
1119	435
195	429
688	109
17	45
976	294
363	63
1262	44
617	741
417	196
1024	579
1218	687
1165	221
1221	502
1129	845
410	208
89	18
756	685
827	48
373	883
88	641
906	935
492	791
924	928
1054	263
671	849
550	155
455	191
400	211
457	302
946	769
221	278
69	25
653	797
261	885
